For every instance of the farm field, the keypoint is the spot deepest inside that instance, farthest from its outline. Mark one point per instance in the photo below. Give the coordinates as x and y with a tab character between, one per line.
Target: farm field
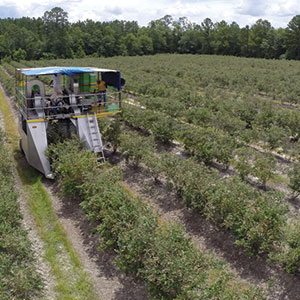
203	160
20	277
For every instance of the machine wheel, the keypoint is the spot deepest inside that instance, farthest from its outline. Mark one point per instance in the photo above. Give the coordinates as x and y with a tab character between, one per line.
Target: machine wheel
21	148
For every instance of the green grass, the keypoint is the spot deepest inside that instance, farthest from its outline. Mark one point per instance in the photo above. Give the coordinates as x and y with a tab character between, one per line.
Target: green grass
71	281
279	178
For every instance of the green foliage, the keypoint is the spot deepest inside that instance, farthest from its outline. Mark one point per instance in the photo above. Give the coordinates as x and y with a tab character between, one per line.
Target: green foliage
266	116
57	37
135	147
111	130
171	264
254	217
294	176
263	168
275	136
189	180
52	35
241	162
19	54
157	252
227	201
262	223
135	242
208	144
18	276
162	126
250	162
72	164
288	253
289	120
292	32
7	82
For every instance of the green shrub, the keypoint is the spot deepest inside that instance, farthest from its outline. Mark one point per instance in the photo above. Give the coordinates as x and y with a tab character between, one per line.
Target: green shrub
160	125
263	167
18	276
294	177
111	130
262	224
135	147
288	253
274	136
255	218
241	162
157	252
250	162
72	165
7	82
208	144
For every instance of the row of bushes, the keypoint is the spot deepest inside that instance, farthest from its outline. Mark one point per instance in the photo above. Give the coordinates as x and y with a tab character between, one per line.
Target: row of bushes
155	251
7	82
241	115
18	276
10	69
207	144
176	75
250	120
258	220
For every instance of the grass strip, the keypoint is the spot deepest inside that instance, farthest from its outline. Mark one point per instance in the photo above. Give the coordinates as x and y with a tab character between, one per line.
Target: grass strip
156	251
19	278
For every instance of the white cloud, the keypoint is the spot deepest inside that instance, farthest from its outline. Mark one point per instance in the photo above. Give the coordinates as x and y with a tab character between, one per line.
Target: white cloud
278	12
253	8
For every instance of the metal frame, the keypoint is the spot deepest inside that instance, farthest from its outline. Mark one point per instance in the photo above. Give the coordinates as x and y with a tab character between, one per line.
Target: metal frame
81	109
85	103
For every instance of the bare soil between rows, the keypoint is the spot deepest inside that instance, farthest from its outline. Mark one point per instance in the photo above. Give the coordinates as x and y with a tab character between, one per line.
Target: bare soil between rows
259	271
28	223
108	281
177	149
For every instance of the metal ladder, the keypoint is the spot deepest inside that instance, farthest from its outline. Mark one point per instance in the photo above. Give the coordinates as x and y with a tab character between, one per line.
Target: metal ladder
96	141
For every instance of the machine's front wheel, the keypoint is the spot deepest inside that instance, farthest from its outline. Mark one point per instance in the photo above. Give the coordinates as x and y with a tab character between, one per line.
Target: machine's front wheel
21	148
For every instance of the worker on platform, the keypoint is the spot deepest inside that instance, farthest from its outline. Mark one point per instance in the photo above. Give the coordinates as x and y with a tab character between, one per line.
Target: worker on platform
57	97
101	89
56	84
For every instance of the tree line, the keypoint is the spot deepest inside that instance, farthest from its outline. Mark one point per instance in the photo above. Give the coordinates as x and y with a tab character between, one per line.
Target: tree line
53	36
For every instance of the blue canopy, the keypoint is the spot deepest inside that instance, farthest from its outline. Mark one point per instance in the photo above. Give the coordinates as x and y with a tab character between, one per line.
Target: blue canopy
111	77
62	70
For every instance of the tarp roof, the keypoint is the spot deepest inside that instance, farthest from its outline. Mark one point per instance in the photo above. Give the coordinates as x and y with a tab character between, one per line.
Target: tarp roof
62	70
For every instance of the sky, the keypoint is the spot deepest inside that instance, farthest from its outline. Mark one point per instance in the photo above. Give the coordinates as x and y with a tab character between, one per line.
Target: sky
278	12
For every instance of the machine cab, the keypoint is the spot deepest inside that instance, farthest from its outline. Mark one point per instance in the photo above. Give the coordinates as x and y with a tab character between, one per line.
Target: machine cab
75	95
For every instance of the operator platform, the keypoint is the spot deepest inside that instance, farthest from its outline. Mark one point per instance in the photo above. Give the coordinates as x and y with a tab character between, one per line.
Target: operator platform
76	96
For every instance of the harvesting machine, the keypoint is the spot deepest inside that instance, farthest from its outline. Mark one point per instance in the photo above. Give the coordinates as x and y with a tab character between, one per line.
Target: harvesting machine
52	98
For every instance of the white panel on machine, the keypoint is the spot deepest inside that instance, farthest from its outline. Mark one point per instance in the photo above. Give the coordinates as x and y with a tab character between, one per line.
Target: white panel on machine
37	146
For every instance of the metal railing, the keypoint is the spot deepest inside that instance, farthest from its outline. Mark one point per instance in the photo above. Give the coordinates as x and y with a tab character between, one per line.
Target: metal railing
66	106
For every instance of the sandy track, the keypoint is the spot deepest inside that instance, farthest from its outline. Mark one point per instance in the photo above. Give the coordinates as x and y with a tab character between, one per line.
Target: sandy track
256	270
109	283
37	245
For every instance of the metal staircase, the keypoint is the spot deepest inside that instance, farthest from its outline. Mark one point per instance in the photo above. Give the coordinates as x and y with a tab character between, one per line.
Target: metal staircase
96	140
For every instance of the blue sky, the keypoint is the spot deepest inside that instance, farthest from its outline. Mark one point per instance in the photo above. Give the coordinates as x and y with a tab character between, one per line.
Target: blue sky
278	12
